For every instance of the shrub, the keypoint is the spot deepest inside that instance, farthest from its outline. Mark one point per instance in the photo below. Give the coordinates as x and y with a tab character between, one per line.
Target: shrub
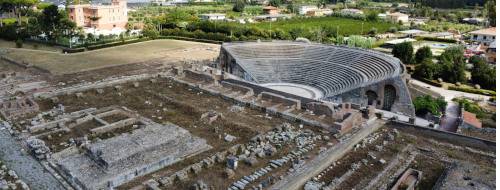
410	141
19	43
493	99
452	155
471	90
436	84
393	29
35	45
373	30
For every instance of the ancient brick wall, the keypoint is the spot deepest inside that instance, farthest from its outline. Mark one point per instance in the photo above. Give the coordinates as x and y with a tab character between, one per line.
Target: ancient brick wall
236	87
353	119
320	108
402	103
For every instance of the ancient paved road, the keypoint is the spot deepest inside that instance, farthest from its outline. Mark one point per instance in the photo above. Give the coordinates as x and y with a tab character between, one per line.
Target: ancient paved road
26	167
298	178
449	122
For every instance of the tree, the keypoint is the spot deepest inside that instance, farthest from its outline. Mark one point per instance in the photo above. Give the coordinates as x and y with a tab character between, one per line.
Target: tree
491	9
129	26
93	19
372	16
403	51
400	22
423	53
239	6
425	69
427	104
4	6
453	67
482	74
274	3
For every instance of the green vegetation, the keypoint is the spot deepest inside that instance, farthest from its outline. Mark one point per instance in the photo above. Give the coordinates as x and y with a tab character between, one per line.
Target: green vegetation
452	155
427	104
239	6
471	107
482	74
423	53
19	43
471	90
403	51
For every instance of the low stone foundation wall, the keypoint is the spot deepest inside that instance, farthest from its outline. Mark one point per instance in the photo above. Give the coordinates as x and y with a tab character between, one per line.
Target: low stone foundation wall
119	124
236	87
98	84
49	125
201	77
462	139
281	99
18	107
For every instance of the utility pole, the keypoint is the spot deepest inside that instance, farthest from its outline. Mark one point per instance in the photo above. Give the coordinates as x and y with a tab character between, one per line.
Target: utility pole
362	28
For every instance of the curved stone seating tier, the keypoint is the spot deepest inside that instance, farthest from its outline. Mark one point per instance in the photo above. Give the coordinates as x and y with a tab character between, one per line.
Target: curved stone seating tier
331	69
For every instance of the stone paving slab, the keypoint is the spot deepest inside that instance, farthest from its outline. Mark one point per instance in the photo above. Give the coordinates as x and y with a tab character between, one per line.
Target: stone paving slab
26	167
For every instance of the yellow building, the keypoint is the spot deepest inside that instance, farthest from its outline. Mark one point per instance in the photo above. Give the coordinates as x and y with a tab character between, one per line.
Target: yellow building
396	17
318	12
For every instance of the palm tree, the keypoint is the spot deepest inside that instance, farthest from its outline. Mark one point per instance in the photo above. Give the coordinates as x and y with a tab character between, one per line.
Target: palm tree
94	18
129	26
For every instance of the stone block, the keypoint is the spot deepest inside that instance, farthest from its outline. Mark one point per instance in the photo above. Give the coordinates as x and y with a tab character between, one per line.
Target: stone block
99	91
195	168
207	163
118	87
152	80
79	95
135	84
181	175
220	157
54	99
232	162
228	173
252	161
166	182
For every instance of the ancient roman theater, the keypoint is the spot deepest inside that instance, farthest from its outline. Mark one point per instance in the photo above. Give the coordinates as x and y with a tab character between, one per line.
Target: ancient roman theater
321	71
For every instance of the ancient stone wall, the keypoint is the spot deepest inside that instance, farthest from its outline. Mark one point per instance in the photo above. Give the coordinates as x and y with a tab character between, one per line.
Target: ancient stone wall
48	125
402	103
19	107
98	84
116	125
420	91
201	77
236	87
321	108
281	99
353	119
178	70
404	177
430	132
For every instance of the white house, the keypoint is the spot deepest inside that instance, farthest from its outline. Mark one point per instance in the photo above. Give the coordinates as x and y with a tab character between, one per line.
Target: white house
484	36
303	10
351	11
61	7
213	16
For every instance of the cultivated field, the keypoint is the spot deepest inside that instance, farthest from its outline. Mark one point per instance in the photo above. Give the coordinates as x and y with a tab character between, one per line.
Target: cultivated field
59	63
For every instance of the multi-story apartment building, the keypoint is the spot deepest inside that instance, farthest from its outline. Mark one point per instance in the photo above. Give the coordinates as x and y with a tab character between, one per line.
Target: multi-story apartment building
114	15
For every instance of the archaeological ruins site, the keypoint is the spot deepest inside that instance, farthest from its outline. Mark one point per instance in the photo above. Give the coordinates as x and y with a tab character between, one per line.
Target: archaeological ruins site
259	115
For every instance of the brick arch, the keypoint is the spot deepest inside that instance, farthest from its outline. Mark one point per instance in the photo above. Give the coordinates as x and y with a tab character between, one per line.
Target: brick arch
390	96
371	95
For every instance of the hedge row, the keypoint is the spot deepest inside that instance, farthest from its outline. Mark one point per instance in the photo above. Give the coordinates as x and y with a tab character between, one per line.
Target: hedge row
436	84
439	39
378	45
73	50
471	90
190	39
118	44
108	41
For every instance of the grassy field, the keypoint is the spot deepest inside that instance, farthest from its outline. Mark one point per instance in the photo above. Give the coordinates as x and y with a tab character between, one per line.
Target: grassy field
28	46
59	63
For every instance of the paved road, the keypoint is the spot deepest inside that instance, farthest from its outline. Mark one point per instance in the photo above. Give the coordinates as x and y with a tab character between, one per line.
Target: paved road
449	122
26	167
448	94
